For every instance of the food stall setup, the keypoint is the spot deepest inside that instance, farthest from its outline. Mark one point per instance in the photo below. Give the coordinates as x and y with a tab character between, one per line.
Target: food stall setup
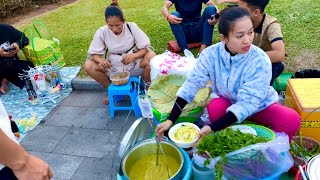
245	151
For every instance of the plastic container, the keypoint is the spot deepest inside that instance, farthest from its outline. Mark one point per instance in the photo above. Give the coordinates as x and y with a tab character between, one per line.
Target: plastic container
120	78
192	117
201	173
303	96
263	131
281	82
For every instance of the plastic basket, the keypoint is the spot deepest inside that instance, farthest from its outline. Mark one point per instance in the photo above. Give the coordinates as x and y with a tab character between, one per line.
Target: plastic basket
263	131
192	116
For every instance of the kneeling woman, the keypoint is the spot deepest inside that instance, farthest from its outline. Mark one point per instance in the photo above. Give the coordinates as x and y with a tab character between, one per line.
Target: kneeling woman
240	74
118	45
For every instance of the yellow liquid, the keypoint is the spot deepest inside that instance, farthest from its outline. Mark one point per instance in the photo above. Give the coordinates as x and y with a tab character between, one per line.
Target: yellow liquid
146	169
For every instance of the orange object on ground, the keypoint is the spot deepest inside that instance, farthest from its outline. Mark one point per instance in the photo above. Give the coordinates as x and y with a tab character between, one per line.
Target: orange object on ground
174	47
303	95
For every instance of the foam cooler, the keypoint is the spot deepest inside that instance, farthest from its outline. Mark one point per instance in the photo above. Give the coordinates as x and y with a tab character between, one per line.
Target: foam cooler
303	95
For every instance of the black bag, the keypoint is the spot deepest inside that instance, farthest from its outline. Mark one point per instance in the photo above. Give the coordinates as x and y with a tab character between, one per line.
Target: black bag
307	73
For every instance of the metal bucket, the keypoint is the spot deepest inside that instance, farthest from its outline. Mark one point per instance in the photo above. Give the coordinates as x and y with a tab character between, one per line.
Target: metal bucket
147	147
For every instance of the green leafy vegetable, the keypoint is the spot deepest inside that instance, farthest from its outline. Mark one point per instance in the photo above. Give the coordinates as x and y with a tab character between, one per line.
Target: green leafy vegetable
224	142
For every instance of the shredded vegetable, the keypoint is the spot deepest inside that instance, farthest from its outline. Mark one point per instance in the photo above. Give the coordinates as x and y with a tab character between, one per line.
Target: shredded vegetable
185	133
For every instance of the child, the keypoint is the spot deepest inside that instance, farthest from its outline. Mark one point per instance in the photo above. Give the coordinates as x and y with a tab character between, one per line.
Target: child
268	35
240	74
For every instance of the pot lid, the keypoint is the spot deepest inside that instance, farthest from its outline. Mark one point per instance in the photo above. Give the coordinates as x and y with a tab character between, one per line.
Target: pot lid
313	168
134	135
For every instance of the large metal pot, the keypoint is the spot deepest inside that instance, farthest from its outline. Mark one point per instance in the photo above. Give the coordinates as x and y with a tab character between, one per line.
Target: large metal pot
147	147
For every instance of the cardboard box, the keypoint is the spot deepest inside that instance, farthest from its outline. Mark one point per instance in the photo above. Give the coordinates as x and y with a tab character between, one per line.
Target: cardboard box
303	95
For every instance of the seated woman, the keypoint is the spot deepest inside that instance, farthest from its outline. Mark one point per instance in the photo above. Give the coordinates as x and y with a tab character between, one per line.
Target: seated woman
240	74
117	46
11	41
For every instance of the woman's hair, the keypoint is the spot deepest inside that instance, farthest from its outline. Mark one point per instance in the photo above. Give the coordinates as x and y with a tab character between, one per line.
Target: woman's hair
254	4
114	10
228	18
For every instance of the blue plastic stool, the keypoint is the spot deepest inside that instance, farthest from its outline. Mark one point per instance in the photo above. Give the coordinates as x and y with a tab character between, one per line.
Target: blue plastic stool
116	93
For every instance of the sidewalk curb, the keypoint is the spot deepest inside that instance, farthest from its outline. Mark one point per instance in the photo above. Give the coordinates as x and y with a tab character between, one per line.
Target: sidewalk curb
87	84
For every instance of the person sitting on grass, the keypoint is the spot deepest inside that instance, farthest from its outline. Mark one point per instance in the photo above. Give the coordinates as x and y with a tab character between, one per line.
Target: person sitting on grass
268	35
11	41
187	24
116	46
240	75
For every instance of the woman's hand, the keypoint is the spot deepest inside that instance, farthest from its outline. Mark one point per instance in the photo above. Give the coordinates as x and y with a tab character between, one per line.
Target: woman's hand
213	21
163	127
7	54
128	58
205	130
104	64
16	46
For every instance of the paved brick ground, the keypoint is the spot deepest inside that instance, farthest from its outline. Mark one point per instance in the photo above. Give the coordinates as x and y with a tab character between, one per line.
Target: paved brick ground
78	139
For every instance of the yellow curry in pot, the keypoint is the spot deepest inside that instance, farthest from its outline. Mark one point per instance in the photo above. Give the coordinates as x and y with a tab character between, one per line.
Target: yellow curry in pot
146	169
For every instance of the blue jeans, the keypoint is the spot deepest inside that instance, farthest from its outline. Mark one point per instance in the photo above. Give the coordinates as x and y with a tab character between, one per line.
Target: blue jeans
277	69
194	30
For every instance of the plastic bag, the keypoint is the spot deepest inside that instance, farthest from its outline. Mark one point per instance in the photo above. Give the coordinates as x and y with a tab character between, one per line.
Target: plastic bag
259	161
171	63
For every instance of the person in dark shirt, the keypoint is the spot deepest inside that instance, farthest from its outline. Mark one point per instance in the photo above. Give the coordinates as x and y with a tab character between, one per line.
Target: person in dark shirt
187	23
11	41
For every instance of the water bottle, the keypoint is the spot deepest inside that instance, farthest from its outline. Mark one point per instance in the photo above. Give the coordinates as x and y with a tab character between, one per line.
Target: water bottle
31	92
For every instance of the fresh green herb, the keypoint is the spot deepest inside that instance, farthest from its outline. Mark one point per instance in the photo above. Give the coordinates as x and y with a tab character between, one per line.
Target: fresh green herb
297	150
224	142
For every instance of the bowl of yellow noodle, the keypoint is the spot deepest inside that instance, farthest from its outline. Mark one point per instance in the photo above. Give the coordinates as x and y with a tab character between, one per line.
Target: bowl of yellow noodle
184	134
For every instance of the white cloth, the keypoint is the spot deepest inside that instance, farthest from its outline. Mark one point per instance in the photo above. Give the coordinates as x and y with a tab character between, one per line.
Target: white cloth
5	125
105	40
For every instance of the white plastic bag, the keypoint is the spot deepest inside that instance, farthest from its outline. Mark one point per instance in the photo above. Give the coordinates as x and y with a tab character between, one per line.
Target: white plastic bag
259	161
171	63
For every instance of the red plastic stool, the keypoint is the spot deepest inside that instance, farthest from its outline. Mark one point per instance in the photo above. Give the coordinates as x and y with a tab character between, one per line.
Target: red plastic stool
174	47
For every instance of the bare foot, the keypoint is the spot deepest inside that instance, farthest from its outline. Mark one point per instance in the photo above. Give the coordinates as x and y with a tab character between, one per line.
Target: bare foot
105	101
4	88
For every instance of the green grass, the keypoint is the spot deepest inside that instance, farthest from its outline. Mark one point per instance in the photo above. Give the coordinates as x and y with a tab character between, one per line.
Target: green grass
76	24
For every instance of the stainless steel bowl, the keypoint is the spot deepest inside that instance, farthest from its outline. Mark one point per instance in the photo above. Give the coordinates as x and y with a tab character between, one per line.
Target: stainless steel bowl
147	147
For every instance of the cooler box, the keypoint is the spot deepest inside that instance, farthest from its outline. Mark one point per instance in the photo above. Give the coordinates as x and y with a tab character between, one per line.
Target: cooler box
303	95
